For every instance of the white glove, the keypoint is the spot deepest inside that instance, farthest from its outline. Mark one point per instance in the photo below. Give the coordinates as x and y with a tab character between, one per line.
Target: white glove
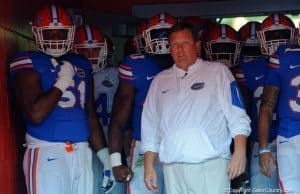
65	75
108	177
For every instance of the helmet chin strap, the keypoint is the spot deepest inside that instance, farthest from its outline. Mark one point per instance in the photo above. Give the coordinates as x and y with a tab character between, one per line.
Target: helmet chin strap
54	52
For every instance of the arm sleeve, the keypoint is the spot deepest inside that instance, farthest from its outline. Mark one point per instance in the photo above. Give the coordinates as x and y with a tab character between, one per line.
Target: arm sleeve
273	78
126	72
231	102
21	61
150	122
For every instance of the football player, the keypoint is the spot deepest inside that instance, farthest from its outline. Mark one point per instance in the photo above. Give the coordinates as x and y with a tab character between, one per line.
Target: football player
91	42
136	73
278	38
251	76
54	91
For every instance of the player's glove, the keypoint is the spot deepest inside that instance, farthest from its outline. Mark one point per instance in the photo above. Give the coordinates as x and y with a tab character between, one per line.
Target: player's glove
65	74
108	177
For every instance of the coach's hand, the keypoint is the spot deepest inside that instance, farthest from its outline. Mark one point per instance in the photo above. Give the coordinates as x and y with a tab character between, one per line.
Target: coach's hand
65	74
150	179
265	162
122	173
237	164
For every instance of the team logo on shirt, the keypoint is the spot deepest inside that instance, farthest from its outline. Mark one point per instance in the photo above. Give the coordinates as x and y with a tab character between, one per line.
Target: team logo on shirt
107	82
198	86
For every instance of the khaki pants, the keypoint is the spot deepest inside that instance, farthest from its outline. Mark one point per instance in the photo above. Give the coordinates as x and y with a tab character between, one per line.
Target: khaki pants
209	177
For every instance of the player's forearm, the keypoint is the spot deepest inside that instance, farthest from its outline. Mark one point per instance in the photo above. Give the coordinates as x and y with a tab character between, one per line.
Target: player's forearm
115	138
121	112
34	102
40	108
269	101
97	139
264	123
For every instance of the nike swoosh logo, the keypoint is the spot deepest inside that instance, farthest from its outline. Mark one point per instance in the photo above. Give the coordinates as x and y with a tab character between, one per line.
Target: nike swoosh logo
53	70
294	66
150	77
51	159
280	142
259	77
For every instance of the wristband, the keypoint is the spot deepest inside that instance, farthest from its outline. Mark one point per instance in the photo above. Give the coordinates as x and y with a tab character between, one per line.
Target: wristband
115	159
264	150
103	157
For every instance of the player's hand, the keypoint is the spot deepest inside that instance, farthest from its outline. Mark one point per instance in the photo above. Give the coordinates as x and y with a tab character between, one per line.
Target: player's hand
237	164
65	75
150	179
265	162
108	182
123	173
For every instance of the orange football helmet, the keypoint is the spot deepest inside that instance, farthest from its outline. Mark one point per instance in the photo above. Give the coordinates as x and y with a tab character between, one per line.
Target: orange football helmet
156	33
221	43
53	30
92	43
249	40
276	29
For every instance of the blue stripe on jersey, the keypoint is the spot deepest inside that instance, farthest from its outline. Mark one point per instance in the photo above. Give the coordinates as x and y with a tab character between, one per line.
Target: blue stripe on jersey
236	96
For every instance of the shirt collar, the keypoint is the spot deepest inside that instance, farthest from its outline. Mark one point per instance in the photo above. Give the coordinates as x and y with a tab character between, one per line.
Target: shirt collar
191	69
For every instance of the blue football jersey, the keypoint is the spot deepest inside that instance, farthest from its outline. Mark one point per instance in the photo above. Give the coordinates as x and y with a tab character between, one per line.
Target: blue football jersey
252	75
285	74
68	120
138	70
105	86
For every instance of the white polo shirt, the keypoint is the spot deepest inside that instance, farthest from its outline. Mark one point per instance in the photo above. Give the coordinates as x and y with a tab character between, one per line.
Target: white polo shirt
191	116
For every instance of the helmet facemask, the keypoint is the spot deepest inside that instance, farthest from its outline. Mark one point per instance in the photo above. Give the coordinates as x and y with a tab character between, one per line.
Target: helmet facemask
156	34
157	39
271	38
54	40
95	52
224	51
